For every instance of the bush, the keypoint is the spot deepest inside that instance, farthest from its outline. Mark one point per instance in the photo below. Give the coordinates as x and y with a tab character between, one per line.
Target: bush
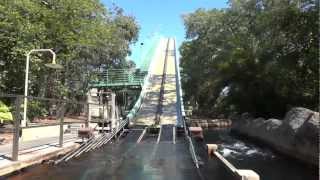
5	114
36	109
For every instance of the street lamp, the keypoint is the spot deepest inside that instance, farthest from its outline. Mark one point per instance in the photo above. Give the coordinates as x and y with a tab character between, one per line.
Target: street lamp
52	65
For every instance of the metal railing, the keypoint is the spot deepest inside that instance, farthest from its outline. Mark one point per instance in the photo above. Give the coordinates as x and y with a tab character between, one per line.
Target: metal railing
93	143
147	58
180	110
112	77
192	152
63	116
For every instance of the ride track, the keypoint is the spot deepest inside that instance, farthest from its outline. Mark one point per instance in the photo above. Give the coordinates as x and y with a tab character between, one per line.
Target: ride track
139	155
93	143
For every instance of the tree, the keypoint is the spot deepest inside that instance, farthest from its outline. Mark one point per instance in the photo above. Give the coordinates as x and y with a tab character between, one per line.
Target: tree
264	52
84	35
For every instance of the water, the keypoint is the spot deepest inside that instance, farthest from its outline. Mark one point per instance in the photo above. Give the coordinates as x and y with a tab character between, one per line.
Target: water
127	160
270	165
123	160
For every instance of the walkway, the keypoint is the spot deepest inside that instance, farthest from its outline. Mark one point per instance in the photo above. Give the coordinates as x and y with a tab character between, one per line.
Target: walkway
41	143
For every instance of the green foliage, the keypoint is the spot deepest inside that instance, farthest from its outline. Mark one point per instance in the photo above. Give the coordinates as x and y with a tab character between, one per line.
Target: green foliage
265	53
4	108
36	109
84	35
5	114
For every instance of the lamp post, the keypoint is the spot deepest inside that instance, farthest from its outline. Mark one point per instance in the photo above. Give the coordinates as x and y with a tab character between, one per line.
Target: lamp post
52	65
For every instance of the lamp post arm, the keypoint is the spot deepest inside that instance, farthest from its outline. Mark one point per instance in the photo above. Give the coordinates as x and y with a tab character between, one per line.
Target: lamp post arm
43	50
24	121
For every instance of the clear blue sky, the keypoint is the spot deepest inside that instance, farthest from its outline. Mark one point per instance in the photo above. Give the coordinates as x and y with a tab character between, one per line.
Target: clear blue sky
161	17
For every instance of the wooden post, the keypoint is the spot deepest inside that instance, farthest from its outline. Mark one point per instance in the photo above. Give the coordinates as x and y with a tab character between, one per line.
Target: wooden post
61	119
89	116
174	134
104	117
212	148
89	100
16	131
248	174
113	110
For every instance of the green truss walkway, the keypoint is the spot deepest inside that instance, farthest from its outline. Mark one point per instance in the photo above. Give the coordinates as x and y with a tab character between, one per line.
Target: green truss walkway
125	78
119	78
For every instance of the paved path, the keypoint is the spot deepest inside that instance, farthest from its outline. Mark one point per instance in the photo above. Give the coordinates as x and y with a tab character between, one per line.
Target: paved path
5	150
34	152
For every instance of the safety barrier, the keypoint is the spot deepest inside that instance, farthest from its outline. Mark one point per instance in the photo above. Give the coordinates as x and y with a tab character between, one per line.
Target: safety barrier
55	125
50	124
93	143
192	152
147	58
118	77
238	174
146	83
180	109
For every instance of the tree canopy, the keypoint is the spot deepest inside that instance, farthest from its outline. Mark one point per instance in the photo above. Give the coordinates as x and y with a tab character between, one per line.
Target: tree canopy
257	56
83	33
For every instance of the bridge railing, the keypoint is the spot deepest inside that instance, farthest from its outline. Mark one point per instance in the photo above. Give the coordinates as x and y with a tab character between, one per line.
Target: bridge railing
119	76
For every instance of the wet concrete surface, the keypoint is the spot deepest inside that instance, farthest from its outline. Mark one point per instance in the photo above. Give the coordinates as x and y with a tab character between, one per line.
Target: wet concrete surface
167	134
127	160
123	160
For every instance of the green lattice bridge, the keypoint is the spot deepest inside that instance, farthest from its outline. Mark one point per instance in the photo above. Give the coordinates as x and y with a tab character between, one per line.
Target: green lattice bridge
125	78
119	78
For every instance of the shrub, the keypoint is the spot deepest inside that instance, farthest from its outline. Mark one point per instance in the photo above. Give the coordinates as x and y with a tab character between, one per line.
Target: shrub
5	114
36	109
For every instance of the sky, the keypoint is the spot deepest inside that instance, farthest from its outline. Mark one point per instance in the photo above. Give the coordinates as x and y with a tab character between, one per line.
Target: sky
160	18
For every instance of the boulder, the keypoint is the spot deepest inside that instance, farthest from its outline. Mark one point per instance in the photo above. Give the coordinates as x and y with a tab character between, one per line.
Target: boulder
296	117
296	135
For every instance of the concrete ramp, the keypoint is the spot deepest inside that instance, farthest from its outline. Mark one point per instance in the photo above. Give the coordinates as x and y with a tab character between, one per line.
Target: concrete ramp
146	114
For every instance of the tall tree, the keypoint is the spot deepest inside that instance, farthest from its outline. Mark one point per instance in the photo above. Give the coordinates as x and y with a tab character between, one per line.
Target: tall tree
262	53
83	33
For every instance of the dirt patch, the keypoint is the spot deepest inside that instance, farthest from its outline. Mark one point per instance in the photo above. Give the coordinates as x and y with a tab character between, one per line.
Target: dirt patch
5	138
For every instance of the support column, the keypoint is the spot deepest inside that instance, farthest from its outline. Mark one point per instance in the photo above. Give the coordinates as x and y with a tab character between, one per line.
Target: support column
16	131
89	100
113	110
88	120
61	118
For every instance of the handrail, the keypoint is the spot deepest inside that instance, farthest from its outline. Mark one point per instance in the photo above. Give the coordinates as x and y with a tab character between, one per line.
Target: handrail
93	143
114	76
180	106
180	109
5	95
193	153
146	82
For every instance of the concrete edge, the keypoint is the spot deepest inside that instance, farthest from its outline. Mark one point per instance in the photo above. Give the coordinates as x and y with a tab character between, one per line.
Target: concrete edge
37	159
